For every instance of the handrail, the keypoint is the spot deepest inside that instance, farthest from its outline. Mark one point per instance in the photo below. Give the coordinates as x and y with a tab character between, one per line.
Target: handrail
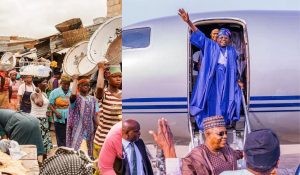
191	133
247	123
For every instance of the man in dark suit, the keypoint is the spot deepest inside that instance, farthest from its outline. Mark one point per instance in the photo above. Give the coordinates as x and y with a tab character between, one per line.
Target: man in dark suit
136	161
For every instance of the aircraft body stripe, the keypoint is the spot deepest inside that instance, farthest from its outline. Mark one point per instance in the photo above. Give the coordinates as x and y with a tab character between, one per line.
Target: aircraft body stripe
155	104
155	107
274	105
184	99
276	111
256	98
163	99
155	112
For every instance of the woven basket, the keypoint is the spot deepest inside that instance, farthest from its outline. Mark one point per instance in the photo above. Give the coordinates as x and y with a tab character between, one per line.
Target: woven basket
70	24
74	36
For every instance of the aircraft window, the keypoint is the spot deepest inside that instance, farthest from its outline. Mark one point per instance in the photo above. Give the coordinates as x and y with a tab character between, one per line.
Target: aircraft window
136	38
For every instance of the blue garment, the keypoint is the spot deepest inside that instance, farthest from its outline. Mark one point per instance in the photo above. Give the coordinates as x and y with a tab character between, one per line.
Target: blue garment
59	93
216	91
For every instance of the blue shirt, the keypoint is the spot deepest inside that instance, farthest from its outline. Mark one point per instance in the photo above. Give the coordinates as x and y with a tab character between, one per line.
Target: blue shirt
54	95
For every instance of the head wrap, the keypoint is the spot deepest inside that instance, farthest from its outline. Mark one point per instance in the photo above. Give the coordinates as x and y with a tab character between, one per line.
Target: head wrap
213	122
224	31
65	77
114	69
262	150
2	74
83	80
12	72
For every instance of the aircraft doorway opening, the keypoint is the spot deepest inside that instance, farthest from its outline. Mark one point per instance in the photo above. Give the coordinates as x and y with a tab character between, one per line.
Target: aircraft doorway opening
238	41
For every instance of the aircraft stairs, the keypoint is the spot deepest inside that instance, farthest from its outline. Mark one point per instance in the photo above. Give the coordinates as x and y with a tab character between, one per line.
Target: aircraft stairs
236	136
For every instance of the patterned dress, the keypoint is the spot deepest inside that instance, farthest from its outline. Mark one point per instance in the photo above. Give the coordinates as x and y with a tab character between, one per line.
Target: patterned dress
81	122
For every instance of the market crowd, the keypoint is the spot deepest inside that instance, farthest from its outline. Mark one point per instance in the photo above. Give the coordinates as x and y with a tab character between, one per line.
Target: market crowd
81	109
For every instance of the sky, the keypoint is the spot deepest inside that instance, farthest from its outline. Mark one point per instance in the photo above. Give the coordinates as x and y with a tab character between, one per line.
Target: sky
140	10
37	18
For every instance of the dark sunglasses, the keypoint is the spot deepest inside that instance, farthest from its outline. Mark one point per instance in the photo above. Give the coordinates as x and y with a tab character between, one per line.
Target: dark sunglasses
222	133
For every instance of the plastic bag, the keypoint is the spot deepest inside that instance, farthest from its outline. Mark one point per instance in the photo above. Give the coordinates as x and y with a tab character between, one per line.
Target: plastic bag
13	148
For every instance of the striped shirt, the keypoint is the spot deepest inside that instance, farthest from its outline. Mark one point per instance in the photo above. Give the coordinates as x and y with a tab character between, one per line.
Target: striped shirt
110	109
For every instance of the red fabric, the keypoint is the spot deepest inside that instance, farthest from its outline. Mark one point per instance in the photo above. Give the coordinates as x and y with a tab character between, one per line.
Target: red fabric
83	81
6	85
2	74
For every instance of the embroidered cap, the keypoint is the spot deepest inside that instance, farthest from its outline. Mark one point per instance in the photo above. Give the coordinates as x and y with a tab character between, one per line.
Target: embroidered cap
213	122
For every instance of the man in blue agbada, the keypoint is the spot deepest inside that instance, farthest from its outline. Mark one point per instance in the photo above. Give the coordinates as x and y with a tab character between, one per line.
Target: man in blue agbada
216	91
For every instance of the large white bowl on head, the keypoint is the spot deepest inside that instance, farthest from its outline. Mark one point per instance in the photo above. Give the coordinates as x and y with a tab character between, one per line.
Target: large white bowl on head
73	58
86	67
8	61
102	38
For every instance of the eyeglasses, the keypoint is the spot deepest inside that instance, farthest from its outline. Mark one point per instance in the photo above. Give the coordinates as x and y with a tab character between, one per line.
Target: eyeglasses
222	133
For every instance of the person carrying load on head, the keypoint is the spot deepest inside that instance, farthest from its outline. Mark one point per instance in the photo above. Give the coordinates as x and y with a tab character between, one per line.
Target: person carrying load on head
83	109
110	100
13	90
